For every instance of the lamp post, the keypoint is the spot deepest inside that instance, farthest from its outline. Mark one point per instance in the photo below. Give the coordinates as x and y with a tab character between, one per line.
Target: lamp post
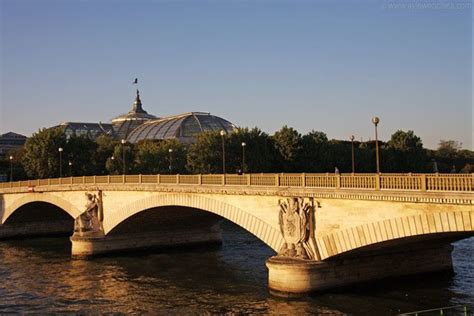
376	121
11	168
170	151
111	164
223	151
60	149
353	160
70	168
243	156
123	141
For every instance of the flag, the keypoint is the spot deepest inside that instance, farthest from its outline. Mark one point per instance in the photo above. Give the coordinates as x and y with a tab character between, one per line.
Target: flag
135	81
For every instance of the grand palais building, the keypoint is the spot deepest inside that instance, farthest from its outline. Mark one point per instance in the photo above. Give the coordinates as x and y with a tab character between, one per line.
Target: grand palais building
137	125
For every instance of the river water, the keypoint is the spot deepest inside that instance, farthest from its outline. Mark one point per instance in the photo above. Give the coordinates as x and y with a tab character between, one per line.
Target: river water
38	276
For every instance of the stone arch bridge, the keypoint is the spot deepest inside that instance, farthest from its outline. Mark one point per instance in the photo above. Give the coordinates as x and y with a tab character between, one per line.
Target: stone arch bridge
327	229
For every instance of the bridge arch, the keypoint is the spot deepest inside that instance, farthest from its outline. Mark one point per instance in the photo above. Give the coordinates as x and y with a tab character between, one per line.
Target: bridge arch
357	237
63	204
265	232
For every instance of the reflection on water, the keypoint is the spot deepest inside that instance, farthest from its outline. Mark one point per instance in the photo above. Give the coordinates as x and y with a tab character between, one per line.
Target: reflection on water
39	276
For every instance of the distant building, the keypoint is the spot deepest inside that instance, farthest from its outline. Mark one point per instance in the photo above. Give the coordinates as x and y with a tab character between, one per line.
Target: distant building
137	125
10	141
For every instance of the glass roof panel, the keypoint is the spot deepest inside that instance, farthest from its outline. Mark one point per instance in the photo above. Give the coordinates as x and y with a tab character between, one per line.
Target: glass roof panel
172	129
190	127
163	127
210	122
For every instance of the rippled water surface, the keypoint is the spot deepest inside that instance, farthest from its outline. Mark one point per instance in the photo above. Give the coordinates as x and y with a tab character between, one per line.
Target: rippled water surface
38	276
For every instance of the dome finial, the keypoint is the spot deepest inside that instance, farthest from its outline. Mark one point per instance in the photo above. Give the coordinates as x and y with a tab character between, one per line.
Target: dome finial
137	105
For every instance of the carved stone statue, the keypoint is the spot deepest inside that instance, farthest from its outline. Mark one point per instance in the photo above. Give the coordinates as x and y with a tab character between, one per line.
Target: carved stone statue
295	222
90	221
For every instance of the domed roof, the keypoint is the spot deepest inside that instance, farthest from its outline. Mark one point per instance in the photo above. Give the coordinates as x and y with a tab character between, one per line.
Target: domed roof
125	123
183	127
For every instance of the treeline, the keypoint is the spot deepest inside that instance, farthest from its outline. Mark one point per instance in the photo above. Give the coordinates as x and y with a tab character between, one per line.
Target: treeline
246	150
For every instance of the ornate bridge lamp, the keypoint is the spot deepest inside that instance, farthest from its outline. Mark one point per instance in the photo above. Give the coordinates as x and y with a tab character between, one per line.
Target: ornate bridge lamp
223	151
243	156
376	121
11	168
123	141
60	149
353	156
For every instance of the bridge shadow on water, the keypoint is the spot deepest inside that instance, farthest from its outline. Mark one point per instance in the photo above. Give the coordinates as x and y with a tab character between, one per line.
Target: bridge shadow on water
39	276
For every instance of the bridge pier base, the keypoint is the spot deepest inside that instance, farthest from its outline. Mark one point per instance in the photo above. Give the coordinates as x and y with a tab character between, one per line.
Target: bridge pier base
288	276
35	229
84	246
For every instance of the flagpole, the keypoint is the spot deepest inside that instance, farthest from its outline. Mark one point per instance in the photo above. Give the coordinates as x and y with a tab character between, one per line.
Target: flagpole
136	82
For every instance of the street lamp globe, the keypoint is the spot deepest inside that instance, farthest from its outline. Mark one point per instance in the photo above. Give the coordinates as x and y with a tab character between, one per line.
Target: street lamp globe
375	120
170	150
60	149
222	133
244	144
11	168
352	153
123	141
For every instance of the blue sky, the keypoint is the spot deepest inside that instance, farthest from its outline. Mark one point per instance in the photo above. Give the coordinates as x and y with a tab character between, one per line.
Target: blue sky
322	65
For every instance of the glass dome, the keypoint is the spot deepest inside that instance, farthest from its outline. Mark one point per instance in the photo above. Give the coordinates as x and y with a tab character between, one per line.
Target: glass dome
183	127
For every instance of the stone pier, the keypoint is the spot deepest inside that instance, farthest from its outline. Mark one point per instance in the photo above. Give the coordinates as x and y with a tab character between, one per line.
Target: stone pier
90	245
164	228
289	276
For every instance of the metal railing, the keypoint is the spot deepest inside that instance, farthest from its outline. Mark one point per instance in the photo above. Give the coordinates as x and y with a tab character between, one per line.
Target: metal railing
402	182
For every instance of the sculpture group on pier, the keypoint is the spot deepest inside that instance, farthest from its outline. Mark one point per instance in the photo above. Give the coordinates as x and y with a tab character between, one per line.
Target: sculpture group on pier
295	221
90	221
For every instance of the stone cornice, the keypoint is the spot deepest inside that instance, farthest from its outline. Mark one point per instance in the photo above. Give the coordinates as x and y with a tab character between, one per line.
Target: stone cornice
434	197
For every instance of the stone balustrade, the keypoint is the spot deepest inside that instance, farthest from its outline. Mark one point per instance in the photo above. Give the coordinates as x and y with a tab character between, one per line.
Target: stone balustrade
405	182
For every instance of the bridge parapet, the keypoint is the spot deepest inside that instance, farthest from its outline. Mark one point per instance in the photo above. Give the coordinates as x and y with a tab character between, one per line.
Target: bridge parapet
405	182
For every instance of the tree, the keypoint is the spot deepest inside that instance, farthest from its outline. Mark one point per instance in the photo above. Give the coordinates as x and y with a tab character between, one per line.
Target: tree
115	163
260	152
314	158
405	141
41	157
105	151
317	137
405	153
448	148
288	143
338	155
81	152
15	164
205	155
153	157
